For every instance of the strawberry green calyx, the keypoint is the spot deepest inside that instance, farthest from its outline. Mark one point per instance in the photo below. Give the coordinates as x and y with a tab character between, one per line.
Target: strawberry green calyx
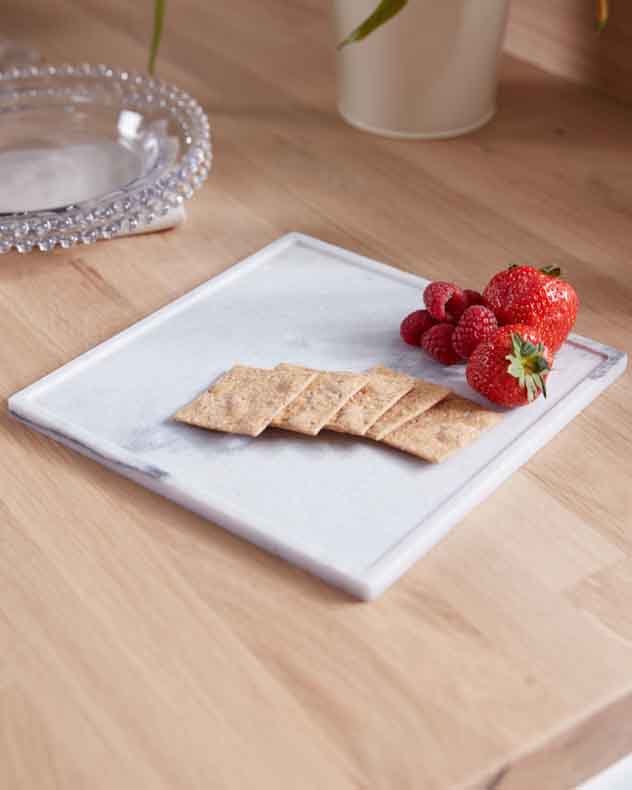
550	271
528	364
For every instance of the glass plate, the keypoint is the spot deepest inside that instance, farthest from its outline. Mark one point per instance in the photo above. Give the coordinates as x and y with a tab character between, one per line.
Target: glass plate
87	152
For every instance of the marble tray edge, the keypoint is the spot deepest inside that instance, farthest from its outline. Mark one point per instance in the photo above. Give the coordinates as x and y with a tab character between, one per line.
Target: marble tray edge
23	408
238	269
109	344
400	557
213	283
372	581
222	514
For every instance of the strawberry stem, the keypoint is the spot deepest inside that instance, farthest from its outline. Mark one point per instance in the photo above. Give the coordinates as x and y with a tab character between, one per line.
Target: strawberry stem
528	363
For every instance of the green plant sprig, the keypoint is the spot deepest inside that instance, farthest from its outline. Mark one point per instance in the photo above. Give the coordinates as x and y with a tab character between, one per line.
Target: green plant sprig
156	35
385	11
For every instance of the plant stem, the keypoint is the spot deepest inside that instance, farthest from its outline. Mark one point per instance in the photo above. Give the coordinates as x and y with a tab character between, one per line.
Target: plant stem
159	18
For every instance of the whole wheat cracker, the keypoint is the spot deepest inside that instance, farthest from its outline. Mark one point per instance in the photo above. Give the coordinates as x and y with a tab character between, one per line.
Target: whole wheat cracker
319	402
245	399
421	397
452	424
384	388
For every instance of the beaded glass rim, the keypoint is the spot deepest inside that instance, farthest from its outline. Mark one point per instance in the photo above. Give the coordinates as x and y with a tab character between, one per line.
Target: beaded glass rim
152	195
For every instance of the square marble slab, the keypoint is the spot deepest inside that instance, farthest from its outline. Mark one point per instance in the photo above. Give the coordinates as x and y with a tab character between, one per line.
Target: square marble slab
349	510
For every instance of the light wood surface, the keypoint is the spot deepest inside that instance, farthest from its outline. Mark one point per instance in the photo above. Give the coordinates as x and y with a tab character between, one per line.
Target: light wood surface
560	36
143	647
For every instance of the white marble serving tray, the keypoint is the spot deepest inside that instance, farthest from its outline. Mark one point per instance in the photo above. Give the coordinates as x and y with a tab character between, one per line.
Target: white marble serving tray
351	511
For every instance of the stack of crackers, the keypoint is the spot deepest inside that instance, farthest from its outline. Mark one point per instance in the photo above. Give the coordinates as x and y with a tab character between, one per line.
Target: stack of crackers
416	416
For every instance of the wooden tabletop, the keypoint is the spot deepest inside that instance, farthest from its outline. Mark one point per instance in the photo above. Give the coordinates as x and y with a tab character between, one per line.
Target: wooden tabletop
143	647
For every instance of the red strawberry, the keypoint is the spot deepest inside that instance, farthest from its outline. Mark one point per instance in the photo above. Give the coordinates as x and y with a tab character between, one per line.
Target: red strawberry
445	301
511	367
524	295
414	325
437	342
477	324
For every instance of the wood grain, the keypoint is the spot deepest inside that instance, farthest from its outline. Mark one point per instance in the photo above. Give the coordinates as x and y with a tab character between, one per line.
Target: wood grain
560	36
141	646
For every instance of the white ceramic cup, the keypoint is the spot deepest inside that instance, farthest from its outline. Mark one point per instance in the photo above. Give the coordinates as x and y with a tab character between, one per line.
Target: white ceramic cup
429	72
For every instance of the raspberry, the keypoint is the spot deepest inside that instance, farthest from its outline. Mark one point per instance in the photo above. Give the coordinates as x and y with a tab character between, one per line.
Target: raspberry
437	342
477	324
445	301
456	305
414	325
472	298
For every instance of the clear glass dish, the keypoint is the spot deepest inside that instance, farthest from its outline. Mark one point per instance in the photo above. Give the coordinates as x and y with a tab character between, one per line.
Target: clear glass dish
88	152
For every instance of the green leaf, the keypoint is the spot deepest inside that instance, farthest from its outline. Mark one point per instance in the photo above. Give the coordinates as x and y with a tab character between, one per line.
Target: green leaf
385	11
516	368
552	271
528	365
540	364
603	12
159	18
